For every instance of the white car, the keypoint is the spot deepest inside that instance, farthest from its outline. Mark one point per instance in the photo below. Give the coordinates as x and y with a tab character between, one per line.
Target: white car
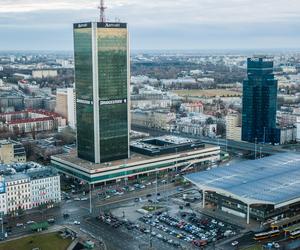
30	222
84	199
76	222
234	243
77	199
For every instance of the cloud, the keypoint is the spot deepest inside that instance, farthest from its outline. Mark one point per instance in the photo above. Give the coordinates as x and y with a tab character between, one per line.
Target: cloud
217	22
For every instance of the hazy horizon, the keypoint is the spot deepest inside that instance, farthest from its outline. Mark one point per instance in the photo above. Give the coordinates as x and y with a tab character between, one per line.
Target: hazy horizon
156	25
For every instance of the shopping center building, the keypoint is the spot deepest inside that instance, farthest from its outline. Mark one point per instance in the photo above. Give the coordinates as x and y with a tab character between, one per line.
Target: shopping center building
146	156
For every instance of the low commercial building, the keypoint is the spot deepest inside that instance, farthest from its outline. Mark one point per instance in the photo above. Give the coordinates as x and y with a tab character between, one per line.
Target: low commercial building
260	189
11	152
147	156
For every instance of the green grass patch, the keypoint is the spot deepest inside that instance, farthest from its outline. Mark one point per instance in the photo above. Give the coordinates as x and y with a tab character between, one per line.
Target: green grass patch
42	241
151	208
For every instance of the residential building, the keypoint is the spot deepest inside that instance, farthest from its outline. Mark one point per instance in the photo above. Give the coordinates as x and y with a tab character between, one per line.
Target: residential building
44	73
195	125
288	134
3	198
196	107
31	120
28	185
259	101
44	186
17	192
66	105
161	119
102	74
233	127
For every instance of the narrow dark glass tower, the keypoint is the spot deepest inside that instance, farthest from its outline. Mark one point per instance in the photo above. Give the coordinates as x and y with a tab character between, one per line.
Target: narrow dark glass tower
101	52
259	101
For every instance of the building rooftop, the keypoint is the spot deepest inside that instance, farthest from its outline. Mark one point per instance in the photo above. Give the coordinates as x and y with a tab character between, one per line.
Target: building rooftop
272	180
15	177
164	145
40	173
87	166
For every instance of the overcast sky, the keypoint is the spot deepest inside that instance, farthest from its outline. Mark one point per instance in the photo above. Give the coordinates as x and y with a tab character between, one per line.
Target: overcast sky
155	24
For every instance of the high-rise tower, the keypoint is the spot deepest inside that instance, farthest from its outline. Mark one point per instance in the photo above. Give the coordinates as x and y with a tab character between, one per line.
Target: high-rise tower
101	51
259	101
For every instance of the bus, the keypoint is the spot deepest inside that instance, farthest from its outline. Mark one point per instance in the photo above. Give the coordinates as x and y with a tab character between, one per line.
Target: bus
285	222
266	235
295	234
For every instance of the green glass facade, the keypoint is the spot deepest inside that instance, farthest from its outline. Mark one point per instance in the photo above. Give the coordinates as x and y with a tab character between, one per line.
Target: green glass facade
259	102
112	61
101	76
84	92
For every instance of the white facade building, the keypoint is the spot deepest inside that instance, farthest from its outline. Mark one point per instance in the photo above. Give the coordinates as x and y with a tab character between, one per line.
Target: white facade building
3	203
17	192
44	186
298	129
66	105
233	127
22	191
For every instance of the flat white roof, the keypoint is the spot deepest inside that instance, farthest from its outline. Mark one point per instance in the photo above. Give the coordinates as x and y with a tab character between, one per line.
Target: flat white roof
271	180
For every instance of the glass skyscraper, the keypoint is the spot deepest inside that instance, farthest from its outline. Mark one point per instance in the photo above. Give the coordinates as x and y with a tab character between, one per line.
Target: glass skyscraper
259	101
101	52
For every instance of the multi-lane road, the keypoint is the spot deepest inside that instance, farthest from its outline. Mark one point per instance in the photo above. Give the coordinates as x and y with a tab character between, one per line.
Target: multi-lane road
229	144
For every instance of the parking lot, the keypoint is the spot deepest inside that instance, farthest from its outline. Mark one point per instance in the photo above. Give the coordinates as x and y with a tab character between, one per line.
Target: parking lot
174	223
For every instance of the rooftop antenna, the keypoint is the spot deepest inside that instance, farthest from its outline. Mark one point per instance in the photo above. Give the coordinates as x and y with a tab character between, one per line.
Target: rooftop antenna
102	12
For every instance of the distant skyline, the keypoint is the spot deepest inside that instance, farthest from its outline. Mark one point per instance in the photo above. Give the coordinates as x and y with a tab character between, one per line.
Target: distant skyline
156	24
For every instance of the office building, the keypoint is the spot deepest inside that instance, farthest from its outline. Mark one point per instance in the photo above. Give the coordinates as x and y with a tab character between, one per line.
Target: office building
11	152
101	52
66	105
233	126
259	101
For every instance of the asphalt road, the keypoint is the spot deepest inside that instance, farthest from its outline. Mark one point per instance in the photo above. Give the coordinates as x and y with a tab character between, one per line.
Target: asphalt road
79	210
